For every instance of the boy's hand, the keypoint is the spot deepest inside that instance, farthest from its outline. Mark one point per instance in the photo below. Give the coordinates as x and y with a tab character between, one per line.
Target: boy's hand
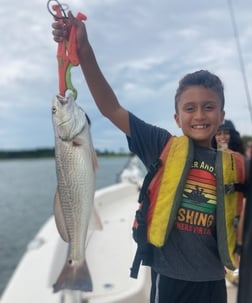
61	30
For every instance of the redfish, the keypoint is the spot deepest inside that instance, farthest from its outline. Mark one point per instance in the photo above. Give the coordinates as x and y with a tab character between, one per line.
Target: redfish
76	164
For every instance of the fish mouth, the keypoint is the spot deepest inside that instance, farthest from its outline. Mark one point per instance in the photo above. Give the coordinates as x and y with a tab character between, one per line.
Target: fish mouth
61	99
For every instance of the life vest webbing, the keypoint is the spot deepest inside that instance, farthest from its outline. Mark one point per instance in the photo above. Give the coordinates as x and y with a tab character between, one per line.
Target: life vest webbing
143	253
228	205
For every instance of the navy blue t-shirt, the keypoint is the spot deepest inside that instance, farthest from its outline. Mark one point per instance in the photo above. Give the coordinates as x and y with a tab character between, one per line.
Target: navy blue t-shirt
190	252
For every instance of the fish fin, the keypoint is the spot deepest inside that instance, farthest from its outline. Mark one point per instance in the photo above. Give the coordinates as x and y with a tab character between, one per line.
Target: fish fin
75	276
95	222
93	156
93	151
95	161
59	218
77	141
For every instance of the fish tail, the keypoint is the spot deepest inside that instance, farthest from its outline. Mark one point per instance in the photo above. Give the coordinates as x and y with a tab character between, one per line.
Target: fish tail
74	276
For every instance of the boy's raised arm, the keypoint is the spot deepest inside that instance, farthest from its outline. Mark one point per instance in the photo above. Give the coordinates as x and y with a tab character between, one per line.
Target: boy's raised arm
101	91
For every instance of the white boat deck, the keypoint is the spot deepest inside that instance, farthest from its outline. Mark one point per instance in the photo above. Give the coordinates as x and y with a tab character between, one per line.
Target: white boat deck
110	253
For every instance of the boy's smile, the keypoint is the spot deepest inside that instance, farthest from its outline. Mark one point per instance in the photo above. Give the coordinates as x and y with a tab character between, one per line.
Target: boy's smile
199	114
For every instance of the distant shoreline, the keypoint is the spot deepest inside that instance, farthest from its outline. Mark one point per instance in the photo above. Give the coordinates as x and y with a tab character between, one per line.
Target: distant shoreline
48	153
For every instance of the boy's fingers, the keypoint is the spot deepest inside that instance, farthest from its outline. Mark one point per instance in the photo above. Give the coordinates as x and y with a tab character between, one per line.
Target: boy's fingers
70	15
72	19
58	39
56	25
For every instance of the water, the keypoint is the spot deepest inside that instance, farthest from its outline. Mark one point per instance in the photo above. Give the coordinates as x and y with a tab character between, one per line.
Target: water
27	189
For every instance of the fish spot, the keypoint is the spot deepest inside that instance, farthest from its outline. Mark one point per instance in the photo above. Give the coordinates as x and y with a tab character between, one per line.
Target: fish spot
70	261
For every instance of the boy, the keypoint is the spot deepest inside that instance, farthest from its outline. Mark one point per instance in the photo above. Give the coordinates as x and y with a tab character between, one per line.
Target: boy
187	267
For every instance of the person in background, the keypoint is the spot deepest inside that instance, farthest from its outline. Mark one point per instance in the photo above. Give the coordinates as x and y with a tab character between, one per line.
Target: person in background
187	266
248	150
228	138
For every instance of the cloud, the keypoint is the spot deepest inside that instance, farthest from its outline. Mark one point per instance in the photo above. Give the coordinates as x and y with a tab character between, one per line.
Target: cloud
143	48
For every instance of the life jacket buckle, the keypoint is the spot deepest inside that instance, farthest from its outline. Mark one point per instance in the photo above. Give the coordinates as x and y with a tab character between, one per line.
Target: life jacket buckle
229	188
154	166
232	187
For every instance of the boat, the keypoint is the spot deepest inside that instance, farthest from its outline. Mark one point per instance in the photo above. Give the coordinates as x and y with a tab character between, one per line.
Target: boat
110	252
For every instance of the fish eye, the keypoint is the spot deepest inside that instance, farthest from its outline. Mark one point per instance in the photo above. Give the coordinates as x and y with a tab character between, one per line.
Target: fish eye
54	109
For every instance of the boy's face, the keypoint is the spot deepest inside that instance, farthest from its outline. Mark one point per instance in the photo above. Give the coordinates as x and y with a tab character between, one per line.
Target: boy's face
199	114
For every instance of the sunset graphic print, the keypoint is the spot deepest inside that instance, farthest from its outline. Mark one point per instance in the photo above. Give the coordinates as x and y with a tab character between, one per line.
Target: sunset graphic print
197	210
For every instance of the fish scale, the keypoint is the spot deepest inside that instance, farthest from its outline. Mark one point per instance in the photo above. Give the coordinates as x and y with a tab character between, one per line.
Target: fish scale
75	169
74	182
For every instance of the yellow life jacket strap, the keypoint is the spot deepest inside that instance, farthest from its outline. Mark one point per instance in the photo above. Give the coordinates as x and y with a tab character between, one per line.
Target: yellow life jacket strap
232	166
166	188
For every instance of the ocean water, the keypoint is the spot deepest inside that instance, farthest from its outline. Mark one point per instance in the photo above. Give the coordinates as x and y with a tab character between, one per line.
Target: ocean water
26	199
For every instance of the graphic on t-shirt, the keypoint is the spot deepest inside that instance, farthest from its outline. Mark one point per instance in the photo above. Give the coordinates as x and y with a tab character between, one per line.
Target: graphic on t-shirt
197	210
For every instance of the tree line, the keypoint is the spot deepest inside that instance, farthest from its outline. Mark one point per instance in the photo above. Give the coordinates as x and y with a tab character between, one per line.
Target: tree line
48	153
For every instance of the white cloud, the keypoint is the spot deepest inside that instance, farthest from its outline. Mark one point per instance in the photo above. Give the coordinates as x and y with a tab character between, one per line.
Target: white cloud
143	47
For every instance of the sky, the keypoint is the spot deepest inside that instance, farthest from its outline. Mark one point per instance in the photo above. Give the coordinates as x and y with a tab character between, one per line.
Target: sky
143	47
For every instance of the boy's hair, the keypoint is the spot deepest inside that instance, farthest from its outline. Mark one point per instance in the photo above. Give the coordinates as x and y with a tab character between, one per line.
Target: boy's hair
203	78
